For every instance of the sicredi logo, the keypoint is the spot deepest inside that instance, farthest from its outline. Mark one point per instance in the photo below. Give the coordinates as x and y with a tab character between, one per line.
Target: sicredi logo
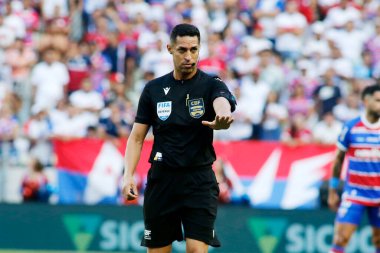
81	229
267	231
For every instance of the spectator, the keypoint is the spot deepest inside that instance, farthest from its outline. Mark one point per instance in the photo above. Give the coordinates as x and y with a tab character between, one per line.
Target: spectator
112	124
265	13
350	41
21	58
327	95
257	42
316	45
7	35
327	130
77	29
290	27
373	43
53	9
56	37
338	15
70	122
297	133
156	59
298	102
87	99
275	115
35	185
255	92
9	130
38	130
348	109
364	68
244	62
49	79
271	73
214	63
305	77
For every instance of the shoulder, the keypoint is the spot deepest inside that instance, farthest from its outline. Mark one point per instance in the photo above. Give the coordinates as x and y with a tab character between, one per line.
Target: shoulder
351	123
158	82
210	78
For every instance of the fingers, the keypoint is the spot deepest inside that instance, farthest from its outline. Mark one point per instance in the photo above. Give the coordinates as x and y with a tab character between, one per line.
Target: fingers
131	195
130	192
220	122
206	123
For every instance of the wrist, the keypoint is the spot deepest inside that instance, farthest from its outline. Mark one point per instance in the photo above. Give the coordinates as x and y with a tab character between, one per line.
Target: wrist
127	176
334	183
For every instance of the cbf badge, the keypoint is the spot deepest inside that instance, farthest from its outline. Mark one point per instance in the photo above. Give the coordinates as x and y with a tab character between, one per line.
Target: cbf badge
196	108
164	109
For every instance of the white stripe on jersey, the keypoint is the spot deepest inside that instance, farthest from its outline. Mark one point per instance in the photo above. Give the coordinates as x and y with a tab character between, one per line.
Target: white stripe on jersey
364	187
363	130
357	159
364	199
361	173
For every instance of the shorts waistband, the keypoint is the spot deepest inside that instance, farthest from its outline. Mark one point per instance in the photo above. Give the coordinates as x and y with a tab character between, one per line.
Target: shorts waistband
165	167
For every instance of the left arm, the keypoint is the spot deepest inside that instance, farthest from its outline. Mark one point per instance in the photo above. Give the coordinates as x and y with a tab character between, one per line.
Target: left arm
223	118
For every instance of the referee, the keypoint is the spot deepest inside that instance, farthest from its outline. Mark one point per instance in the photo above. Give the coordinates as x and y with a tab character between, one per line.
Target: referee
183	107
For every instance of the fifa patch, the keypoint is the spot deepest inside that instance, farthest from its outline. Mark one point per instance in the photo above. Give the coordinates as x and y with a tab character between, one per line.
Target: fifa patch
164	109
196	108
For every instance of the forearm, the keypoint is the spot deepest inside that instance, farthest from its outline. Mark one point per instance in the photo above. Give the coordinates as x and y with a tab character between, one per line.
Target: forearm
222	107
337	168
132	156
337	165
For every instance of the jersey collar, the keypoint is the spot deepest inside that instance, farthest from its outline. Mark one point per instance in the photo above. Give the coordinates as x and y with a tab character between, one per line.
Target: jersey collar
369	124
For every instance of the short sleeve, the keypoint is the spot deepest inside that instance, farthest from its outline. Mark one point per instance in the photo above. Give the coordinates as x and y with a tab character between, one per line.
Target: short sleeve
220	90
343	139
144	110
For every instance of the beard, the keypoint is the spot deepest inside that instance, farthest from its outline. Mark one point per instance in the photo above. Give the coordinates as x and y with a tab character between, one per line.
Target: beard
374	114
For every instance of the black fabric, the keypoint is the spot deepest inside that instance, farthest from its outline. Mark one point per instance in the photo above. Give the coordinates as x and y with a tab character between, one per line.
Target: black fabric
180	197
181	140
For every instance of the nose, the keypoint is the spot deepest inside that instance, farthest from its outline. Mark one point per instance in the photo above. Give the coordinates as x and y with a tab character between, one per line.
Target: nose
188	56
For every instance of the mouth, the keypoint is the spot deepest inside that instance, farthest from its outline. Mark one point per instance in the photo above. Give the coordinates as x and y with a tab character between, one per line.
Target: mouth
187	65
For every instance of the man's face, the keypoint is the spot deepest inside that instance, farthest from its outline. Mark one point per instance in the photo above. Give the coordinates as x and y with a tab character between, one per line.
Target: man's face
373	104
185	53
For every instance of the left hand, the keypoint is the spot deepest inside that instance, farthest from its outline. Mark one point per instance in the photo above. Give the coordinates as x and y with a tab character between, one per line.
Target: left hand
220	122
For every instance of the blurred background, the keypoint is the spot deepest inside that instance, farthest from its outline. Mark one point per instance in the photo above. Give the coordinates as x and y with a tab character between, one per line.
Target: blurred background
71	73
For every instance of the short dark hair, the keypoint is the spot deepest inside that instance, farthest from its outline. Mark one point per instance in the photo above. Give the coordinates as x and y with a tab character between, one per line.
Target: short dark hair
182	30
370	90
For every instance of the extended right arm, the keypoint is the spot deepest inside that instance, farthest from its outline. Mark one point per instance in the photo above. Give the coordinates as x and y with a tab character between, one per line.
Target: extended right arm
132	157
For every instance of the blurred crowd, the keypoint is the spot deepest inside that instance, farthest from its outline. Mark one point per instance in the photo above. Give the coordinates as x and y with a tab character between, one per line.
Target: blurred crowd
72	68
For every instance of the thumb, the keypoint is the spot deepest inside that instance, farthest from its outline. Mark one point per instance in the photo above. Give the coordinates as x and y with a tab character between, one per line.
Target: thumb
206	123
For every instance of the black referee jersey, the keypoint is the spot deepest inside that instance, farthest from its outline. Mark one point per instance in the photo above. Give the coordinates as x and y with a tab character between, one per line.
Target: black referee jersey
175	110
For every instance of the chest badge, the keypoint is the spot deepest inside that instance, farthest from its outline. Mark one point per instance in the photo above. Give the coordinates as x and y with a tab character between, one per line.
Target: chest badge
196	107
164	109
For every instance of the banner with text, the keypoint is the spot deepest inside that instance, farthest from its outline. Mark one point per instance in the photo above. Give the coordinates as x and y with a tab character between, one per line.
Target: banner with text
120	229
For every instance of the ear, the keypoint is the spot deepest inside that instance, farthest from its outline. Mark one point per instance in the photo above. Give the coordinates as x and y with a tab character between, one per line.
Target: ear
169	48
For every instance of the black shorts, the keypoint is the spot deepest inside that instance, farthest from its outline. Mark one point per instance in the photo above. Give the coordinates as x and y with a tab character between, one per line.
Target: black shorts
176	198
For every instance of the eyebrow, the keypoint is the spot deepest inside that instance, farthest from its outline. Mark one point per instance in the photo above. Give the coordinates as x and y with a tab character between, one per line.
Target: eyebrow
185	48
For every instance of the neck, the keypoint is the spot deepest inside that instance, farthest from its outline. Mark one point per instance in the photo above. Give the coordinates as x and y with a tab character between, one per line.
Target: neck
181	76
372	117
